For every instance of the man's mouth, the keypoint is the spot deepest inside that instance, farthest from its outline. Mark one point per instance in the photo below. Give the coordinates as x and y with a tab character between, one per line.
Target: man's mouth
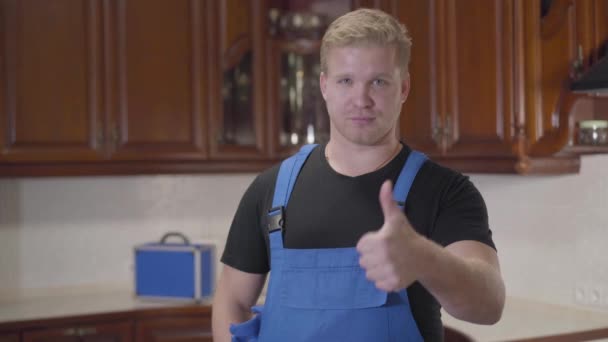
362	119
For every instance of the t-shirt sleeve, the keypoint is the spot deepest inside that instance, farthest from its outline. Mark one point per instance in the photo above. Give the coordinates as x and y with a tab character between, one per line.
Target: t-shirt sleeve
246	246
462	214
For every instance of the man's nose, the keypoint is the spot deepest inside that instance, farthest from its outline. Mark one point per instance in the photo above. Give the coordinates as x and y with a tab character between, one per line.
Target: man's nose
362	98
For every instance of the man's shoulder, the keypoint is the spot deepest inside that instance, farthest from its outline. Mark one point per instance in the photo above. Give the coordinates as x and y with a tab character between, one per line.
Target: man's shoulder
436	177
265	181
433	169
269	175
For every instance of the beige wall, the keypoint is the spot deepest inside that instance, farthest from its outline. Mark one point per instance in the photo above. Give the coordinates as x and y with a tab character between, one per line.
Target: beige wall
77	234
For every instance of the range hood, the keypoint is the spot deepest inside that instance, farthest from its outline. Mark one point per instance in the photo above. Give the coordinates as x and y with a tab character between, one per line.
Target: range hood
594	80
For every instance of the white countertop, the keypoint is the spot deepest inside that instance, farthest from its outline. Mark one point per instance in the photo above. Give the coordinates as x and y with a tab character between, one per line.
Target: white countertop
80	304
524	318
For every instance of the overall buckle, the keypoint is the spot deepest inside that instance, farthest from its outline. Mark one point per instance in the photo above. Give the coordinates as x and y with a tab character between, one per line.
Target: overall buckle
276	219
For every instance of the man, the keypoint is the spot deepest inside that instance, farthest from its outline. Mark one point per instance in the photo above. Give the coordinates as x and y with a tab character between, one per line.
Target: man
347	262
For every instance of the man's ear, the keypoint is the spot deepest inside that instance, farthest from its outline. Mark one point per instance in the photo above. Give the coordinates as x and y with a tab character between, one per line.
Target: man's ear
405	86
323	83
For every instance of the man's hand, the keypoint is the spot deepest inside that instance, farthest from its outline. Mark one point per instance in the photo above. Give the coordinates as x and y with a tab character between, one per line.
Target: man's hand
389	255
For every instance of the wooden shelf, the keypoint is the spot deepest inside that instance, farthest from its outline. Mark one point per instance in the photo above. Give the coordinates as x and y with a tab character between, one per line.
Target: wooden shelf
586	149
566	164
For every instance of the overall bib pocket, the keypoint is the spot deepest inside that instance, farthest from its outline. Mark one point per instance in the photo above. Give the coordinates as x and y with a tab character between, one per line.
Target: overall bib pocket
329	288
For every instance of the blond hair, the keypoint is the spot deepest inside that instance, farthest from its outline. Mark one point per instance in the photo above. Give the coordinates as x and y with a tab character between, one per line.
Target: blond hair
367	26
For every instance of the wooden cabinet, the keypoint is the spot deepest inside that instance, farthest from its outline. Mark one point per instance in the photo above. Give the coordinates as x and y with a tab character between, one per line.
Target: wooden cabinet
175	329
100	332
573	35
297	111
152	86
9	338
179	323
99	83
236	69
156	87
51	105
461	102
488	79
92	81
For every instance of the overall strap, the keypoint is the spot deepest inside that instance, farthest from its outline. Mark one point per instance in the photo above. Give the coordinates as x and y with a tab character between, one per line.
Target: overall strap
406	177
288	173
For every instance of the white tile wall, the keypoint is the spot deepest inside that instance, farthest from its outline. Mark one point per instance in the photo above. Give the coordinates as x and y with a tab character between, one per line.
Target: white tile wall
78	233
552	232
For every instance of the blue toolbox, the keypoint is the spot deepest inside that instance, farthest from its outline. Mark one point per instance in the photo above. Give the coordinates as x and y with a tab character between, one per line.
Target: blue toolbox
174	270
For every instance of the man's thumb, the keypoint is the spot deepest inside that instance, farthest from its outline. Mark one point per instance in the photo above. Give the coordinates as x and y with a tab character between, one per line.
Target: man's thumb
389	207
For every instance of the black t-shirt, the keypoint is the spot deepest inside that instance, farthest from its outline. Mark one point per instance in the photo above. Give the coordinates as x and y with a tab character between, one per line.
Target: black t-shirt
330	210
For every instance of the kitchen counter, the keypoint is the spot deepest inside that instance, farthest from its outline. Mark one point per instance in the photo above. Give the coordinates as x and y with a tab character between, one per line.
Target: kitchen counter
526	319
522	319
81	304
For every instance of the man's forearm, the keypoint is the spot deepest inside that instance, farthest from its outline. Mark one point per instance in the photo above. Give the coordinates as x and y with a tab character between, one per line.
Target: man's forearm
225	312
468	288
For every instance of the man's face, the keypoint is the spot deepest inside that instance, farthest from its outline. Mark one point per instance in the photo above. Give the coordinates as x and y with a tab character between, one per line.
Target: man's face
364	91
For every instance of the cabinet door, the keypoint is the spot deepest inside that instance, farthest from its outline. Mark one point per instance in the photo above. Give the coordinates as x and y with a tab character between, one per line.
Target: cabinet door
460	104
600	28
237	73
421	122
9	338
50	75
478	57
157	89
102	332
178	329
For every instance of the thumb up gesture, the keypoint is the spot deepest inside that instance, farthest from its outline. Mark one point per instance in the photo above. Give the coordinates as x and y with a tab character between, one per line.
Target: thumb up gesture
389	255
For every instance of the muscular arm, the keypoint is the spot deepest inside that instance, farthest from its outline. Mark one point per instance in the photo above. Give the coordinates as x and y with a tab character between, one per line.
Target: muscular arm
236	293
464	276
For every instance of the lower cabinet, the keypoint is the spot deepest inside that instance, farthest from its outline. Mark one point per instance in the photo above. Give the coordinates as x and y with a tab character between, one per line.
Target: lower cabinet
9	338
188	323
101	332
178	329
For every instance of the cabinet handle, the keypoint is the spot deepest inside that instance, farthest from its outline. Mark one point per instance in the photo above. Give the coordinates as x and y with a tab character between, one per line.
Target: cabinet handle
578	63
273	17
437	134
114	135
87	331
448	129
99	138
70	332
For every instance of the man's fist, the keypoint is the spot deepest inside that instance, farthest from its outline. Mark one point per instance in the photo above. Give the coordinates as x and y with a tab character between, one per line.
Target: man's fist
388	255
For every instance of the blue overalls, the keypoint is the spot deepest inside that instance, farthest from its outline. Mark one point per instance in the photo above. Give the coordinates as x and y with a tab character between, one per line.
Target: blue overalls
322	295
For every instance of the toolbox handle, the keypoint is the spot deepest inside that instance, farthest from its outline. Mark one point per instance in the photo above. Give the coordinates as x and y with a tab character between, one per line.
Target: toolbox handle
163	240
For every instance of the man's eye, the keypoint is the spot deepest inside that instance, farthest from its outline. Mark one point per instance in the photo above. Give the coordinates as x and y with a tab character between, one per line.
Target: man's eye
380	82
345	81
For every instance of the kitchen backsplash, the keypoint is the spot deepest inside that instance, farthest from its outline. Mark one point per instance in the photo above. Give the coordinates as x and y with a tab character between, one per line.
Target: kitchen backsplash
77	234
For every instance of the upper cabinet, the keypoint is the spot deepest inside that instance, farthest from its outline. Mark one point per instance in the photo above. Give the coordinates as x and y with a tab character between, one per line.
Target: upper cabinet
569	38
297	110
155	86
236	69
490	81
51	104
98	87
460	108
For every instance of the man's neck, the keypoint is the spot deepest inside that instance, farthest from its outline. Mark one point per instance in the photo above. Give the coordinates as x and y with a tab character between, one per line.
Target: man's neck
354	160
